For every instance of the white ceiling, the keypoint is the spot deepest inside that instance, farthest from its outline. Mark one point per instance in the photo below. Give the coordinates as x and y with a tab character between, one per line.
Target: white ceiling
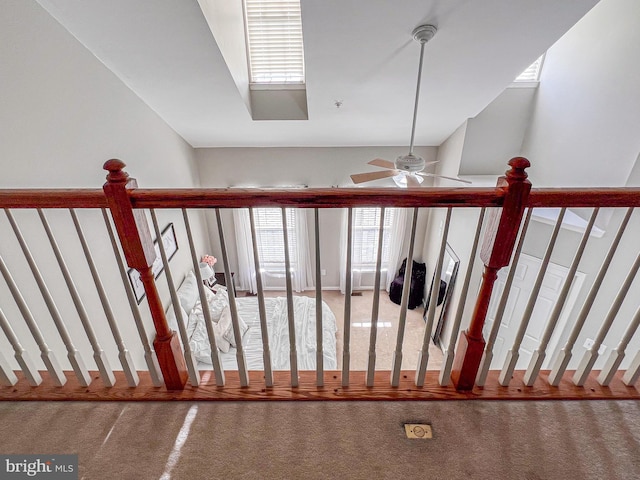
357	51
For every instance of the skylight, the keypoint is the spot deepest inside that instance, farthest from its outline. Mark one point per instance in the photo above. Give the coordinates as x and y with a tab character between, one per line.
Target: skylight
532	73
274	41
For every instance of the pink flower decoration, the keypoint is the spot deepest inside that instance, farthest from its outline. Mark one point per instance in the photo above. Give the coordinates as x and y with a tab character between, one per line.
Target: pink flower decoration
209	259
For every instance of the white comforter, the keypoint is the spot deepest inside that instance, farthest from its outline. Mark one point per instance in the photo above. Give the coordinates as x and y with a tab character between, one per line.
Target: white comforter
277	326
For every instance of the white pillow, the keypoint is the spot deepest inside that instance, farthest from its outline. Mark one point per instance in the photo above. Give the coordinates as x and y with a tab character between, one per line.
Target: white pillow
217	303
225	326
199	339
188	292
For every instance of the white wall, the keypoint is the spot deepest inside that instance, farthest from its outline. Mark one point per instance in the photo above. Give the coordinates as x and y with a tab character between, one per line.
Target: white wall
315	167
496	134
62	115
584	132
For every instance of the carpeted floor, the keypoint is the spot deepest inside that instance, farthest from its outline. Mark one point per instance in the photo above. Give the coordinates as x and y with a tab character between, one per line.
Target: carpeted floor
530	440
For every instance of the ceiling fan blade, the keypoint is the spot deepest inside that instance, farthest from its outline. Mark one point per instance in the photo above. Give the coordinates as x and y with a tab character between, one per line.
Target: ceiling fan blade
379	162
443	176
412	182
431	162
370	176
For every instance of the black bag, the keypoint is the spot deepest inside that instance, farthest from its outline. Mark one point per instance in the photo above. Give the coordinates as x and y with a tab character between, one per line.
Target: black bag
416	289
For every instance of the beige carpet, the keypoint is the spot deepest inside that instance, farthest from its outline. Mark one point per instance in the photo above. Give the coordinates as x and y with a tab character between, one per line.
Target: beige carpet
531	440
388	316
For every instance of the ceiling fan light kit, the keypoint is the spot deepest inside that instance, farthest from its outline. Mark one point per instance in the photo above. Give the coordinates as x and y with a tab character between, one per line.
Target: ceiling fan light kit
406	171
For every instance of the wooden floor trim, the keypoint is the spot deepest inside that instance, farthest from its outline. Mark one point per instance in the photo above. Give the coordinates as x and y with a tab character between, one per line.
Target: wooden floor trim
308	391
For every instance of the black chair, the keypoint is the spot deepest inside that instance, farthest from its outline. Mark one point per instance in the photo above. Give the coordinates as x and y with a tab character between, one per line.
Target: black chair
416	289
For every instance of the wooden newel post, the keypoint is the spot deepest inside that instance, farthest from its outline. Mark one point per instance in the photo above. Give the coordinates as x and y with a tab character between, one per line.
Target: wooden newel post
500	238
137	245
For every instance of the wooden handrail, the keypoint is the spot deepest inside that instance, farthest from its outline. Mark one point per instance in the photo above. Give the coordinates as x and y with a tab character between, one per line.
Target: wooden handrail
320	197
316	197
52	198
584	197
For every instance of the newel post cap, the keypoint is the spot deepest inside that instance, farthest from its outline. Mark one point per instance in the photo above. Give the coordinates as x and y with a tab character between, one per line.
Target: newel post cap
116	173
516	172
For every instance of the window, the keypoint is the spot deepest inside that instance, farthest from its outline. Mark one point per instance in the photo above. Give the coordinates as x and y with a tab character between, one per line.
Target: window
366	223
532	73
270	238
274	41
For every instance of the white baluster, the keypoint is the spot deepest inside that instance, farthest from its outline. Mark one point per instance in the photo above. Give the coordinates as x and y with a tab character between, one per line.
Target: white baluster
76	360
540	353
293	353
449	354
346	352
47	355
7	376
215	354
98	353
266	351
423	357
565	354
371	366
24	360
514	353
632	374
190	360
591	355
150	356
124	355
617	354
233	309
404	301
319	339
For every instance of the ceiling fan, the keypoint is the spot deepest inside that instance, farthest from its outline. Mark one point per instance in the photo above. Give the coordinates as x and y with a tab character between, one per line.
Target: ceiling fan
407	170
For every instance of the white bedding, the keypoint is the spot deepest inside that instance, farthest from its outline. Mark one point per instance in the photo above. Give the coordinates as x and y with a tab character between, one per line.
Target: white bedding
277	326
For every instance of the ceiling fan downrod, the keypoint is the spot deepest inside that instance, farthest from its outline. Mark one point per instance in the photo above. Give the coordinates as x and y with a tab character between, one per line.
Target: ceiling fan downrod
422	34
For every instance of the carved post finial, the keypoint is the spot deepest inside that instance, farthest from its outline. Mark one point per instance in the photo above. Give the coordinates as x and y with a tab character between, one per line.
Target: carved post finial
516	172
116	173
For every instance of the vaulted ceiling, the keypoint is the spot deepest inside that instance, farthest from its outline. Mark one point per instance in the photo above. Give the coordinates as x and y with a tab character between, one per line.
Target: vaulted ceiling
358	52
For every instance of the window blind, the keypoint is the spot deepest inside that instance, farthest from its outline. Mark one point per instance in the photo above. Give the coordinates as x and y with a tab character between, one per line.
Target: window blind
274	39
366	222
268	225
532	73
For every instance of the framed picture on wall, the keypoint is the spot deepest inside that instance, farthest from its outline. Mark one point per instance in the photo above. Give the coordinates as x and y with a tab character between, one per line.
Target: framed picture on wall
170	243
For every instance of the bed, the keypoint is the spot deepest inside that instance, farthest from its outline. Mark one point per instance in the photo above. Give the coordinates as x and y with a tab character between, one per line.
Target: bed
249	320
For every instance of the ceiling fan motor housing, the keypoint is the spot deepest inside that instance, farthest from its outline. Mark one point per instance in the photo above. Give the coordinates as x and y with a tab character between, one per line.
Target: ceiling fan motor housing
410	163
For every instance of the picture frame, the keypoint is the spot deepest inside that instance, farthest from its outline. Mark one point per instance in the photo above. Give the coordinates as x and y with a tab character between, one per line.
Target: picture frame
170	243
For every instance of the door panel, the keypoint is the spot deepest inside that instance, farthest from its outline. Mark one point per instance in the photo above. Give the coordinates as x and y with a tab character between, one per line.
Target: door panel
526	273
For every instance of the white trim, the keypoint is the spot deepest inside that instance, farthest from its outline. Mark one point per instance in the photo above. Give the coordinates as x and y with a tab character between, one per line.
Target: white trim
570	221
277	86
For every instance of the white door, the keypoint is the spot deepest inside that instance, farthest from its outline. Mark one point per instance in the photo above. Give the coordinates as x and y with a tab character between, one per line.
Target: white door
525	276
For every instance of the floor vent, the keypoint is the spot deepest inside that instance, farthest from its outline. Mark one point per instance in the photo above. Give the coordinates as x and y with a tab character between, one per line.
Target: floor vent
421	431
356	294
